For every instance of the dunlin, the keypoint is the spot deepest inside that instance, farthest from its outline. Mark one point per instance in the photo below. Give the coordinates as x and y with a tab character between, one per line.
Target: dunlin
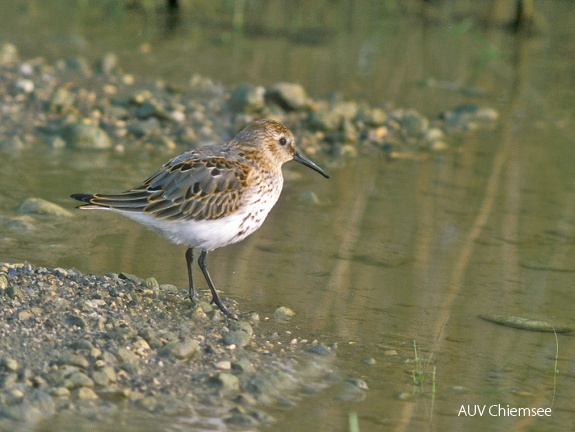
212	196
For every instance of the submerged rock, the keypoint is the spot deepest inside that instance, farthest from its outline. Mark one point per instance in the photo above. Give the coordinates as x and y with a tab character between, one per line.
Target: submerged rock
39	206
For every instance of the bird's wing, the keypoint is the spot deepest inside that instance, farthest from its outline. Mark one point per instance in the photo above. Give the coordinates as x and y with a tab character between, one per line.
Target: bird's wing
186	188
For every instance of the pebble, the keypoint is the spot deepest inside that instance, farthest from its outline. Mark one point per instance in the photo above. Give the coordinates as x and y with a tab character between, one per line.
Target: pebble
82	136
9	364
237	338
181	350
227	381
85	393
283	313
320	349
224	365
74	359
289	96
126	356
60	392
247	98
78	379
39	206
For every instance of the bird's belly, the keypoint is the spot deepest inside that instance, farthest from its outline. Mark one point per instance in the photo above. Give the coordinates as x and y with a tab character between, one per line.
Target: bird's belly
209	234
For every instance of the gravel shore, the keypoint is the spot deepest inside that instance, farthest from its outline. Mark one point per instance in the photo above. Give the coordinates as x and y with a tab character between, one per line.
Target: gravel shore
92	345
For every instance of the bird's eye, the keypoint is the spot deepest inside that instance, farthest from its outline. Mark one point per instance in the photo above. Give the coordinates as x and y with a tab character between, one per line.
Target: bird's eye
283	141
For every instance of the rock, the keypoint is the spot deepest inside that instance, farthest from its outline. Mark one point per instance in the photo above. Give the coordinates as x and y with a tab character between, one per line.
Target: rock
323	120
140	344
120	333
151	108
41	401
181	350
244	365
60	392
85	137
346	110
13	292
8	380
242	326
8	53
3	282
148	403
373	117
86	393
289	96
247	98
39	206
469	117
78	379
100	378
414	123
270	383
354	390
238	338
9	364
74	359
78	64
62	101
151	283
283	313
224	365
143	129
227	381
126	356
25	85
78	321
321	349
107	63
130	277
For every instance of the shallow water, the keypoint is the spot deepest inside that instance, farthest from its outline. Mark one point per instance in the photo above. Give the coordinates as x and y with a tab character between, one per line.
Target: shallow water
395	252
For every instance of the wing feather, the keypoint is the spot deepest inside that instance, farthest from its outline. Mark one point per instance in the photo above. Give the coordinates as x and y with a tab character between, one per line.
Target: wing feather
189	187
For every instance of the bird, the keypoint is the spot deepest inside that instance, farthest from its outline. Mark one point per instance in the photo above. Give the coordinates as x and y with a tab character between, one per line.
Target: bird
211	196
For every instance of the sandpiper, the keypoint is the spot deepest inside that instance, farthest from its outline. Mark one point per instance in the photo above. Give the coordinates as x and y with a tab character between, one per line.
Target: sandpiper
212	196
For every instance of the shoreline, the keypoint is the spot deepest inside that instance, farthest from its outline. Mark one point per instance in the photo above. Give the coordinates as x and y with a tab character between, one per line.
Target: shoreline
77	344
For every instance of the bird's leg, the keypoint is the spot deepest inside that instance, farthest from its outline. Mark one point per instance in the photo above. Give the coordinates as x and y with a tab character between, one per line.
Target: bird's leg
190	262
215	297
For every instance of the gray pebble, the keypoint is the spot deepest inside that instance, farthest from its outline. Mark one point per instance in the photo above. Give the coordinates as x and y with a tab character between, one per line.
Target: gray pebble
85	137
181	350
247	98
238	338
78	379
283	313
39	206
13	292
289	96
242	326
321	349
9	364
227	381
74	359
126	356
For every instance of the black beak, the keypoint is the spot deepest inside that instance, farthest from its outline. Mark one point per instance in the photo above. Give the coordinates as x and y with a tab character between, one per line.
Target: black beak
298	157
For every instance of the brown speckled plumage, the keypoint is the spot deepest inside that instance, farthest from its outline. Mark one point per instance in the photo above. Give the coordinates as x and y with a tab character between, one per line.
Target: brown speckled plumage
211	196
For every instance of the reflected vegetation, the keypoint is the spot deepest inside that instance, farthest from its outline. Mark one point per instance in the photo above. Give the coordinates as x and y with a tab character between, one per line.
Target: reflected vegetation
394	251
